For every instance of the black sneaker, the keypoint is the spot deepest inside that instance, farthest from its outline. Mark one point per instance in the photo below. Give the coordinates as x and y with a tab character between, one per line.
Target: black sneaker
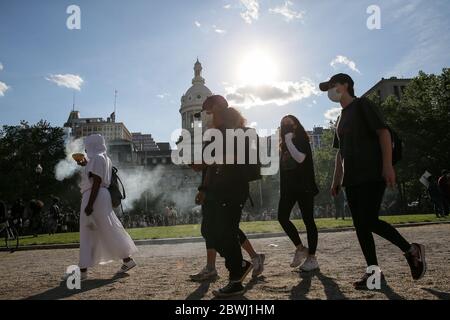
416	261
362	284
246	268
233	288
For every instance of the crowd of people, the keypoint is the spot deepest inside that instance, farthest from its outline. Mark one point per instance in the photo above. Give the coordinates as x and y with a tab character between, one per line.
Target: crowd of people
364	169
33	217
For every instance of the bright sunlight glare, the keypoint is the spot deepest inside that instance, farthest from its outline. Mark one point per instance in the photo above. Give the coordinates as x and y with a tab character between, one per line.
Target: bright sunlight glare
257	67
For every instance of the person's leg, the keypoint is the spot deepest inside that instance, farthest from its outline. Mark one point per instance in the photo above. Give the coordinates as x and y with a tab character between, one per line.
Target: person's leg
206	230
380	227
287	202
306	204
227	239
357	197
246	244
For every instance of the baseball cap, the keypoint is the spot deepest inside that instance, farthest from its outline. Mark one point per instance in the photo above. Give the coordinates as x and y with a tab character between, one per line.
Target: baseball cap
217	100
337	78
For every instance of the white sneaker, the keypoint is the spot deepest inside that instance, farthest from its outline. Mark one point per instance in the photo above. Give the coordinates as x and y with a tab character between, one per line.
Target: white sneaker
258	264
310	264
205	274
300	255
127	266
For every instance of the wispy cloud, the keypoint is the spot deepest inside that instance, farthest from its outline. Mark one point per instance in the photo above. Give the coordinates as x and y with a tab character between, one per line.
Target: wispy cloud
71	81
197	24
3	88
163	95
428	27
251	10
344	61
287	12
218	30
1	66
278	93
333	114
227	6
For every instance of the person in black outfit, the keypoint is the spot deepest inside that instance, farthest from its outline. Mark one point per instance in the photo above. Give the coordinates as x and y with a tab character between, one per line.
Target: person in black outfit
54	218
297	185
217	107
364	167
17	214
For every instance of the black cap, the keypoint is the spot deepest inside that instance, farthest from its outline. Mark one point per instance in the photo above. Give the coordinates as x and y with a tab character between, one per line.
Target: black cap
217	100
337	78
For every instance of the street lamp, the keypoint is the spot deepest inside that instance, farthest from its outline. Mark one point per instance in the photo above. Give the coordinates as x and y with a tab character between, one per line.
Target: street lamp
38	170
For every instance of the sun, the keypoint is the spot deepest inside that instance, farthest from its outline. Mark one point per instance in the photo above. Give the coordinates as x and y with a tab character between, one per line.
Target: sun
257	67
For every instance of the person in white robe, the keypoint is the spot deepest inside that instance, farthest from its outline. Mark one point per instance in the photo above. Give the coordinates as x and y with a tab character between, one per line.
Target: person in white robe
103	239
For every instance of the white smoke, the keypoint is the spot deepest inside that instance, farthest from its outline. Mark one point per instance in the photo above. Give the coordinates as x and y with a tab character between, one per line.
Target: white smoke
67	167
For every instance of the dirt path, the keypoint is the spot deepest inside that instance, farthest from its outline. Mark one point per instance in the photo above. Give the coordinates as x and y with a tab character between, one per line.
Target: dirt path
163	272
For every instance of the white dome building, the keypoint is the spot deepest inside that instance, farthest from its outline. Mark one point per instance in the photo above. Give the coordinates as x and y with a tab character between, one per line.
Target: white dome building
192	100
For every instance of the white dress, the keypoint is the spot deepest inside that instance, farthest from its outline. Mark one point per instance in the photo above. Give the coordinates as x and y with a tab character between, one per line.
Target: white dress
109	241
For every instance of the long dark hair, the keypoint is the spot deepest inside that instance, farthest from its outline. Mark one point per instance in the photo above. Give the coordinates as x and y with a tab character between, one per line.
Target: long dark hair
234	119
300	132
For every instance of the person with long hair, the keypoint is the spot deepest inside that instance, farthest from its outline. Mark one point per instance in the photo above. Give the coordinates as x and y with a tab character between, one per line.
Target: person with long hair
297	185
221	116
364	167
102	236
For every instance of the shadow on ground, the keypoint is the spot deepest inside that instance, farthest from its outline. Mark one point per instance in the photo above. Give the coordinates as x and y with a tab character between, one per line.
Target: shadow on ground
439	294
62	292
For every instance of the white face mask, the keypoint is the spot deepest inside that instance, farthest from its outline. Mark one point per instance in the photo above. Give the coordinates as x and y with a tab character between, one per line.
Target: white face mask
334	95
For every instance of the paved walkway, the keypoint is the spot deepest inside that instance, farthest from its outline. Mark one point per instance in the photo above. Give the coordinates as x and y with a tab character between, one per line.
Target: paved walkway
163	271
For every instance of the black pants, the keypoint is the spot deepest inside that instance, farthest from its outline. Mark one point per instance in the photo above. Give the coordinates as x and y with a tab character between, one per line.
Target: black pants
364	201
305	202
225	235
207	227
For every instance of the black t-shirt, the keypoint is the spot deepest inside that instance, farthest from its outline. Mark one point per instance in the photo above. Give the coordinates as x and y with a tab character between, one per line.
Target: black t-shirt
298	176
358	142
227	182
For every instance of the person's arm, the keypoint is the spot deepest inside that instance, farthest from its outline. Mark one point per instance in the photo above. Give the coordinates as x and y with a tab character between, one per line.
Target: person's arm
338	174
295	153
384	136
94	192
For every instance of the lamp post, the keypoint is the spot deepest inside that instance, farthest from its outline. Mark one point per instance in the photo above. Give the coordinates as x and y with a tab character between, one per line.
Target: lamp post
38	171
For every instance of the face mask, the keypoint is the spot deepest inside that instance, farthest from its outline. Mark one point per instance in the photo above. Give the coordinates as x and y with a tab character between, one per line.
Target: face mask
333	95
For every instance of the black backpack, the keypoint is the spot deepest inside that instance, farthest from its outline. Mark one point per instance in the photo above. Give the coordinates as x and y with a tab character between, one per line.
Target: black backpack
116	195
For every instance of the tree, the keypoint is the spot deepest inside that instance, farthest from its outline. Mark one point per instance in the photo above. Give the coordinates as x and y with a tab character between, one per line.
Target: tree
324	158
422	119
22	148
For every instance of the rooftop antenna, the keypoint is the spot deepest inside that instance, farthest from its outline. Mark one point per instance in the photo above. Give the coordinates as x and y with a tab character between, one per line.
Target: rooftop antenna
115	101
73	102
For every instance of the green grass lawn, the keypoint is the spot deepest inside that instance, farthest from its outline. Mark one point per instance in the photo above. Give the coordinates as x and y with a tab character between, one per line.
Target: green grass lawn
248	227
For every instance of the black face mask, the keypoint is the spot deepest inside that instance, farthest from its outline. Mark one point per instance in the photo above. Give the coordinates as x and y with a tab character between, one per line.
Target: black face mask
289	128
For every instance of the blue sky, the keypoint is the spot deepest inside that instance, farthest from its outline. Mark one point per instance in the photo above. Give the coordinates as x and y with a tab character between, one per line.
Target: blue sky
146	50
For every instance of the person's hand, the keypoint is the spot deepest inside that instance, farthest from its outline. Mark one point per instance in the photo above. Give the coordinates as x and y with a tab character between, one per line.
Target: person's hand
335	189
389	176
200	198
289	136
88	210
82	163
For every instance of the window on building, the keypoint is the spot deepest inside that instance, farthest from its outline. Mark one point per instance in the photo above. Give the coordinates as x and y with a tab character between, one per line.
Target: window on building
396	92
